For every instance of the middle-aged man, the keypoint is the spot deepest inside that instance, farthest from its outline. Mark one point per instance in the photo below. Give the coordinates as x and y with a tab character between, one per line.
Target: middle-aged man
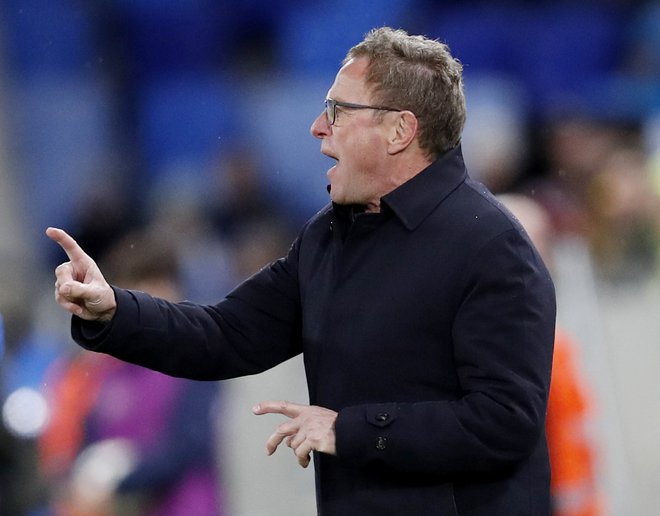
424	314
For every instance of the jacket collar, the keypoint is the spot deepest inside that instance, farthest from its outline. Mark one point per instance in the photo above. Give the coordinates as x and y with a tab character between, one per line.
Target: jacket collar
414	200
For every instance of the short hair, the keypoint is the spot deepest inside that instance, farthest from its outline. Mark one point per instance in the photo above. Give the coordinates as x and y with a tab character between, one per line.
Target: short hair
418	74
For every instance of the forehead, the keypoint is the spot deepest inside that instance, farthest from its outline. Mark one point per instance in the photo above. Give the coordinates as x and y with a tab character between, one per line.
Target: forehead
350	83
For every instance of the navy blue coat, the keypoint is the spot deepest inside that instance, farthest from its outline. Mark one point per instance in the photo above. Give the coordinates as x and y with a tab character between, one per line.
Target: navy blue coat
429	327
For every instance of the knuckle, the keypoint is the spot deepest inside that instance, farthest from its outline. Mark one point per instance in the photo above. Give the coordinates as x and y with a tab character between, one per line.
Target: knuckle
62	266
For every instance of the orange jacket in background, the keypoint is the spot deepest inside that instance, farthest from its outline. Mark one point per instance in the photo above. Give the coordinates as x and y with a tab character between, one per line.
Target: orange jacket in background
572	450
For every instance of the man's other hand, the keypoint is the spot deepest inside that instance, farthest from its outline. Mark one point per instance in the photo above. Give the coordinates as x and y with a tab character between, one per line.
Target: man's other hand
309	428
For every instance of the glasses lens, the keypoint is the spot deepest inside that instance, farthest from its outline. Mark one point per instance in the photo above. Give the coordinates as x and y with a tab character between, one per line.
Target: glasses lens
330	111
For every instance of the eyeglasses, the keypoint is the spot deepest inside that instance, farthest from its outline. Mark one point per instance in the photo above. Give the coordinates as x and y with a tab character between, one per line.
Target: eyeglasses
331	108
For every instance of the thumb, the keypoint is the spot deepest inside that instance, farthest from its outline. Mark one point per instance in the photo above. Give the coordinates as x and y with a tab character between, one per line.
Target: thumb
89	301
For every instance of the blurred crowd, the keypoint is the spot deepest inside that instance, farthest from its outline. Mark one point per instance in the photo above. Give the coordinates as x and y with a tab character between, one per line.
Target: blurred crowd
171	138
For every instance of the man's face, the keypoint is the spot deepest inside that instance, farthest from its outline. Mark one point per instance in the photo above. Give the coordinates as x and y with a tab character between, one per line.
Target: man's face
357	141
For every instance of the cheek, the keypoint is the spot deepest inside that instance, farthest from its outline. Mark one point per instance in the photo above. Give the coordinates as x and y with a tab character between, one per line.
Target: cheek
367	155
363	147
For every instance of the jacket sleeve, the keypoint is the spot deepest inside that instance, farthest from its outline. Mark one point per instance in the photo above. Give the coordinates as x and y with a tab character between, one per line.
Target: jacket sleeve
256	327
502	340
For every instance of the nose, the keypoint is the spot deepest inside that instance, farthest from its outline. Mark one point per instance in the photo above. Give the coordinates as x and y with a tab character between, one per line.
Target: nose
320	127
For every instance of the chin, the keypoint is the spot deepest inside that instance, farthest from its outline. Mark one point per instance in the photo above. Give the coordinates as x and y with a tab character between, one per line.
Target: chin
341	201
335	195
336	199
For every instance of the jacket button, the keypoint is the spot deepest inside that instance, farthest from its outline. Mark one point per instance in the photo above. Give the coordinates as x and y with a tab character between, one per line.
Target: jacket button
383	416
381	443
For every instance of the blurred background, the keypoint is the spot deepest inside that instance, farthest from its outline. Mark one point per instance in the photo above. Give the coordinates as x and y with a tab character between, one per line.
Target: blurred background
171	138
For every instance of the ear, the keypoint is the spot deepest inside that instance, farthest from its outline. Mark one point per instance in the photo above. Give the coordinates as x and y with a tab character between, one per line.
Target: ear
403	132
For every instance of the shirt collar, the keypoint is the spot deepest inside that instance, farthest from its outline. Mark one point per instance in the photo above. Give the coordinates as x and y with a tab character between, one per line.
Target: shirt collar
415	199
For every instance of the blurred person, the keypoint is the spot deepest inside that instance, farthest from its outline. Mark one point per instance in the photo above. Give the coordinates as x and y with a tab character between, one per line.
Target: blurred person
576	148
125	439
104	213
423	312
599	188
241	214
239	197
573	460
625	217
495	135
205	258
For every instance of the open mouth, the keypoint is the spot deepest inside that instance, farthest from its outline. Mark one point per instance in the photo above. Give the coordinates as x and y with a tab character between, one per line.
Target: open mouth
334	165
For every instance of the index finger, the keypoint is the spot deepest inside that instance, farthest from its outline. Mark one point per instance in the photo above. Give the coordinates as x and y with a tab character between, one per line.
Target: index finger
279	407
66	242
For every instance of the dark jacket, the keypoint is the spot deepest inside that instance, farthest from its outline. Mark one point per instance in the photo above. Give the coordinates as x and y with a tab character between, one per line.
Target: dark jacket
428	327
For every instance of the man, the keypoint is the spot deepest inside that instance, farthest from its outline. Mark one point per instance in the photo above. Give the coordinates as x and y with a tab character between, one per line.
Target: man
424	314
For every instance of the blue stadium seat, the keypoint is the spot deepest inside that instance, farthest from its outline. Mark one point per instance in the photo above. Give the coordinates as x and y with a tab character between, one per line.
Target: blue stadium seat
185	119
46	36
565	48
478	34
555	49
170	36
315	39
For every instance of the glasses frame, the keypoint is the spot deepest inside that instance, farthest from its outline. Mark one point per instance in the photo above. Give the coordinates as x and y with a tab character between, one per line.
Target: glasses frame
331	108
